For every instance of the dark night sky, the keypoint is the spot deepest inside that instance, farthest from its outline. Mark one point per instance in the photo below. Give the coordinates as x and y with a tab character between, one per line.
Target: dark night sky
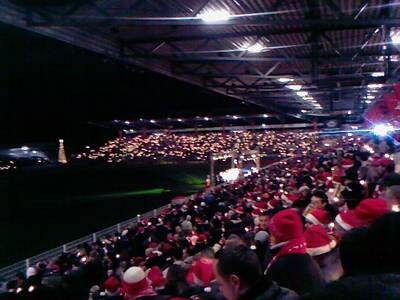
51	89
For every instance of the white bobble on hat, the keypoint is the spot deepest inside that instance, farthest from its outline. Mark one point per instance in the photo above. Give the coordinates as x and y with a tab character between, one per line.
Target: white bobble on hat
133	275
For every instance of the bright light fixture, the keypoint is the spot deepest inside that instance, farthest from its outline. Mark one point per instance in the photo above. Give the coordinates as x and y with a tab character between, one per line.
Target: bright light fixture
285	79
368	101
215	16
303	111
374	86
370	97
395	35
302	93
378	74
382	129
235	117
294	87
255	48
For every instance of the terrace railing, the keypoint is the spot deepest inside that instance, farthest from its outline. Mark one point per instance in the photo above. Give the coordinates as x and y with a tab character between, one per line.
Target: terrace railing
9	272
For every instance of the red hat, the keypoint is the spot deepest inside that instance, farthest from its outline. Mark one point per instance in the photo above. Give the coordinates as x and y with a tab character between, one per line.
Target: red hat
273	203
286	225
318	216
347	220
153	245
239	209
141	229
289	198
261	205
384	161
347	163
256	212
368	210
136	284
156	277
318	241
112	284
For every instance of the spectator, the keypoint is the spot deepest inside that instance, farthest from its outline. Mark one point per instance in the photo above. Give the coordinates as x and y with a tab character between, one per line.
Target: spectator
240	276
291	266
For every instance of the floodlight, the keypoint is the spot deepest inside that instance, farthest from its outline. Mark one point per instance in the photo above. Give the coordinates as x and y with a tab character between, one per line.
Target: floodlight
395	35
215	16
302	93
378	74
255	48
285	79
382	129
294	87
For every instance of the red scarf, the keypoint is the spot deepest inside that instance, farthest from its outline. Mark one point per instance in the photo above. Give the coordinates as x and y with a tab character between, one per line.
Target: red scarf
294	246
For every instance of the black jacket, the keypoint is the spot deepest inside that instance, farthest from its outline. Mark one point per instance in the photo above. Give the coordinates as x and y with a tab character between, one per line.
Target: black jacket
298	272
267	289
371	287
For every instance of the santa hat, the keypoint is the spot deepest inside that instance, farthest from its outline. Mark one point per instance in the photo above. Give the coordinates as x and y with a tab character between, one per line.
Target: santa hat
239	209
286	225
112	284
318	216
273	203
136	284
288	198
318	241
347	163
256	212
31	271
156	277
383	161
261	205
347	220
368	210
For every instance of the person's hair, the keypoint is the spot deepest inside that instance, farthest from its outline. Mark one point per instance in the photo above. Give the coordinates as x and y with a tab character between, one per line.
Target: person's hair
322	195
332	210
394	191
354	252
239	260
384	237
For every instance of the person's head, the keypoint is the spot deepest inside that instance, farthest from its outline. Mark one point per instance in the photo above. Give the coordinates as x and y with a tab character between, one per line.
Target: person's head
319	200
354	252
392	195
237	269
384	246
284	226
263	221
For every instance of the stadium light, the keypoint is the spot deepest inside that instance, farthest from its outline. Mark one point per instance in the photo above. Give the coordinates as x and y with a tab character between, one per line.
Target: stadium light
395	35
215	16
285	79
294	87
382	129
302	93
378	74
374	86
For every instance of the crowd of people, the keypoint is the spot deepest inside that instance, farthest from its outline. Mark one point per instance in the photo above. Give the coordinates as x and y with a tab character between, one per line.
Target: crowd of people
321	225
199	146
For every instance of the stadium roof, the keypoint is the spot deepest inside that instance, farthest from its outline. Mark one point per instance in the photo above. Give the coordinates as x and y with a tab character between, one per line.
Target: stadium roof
295	57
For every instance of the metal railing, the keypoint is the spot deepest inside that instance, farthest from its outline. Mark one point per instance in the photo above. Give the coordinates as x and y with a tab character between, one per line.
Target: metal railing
9	272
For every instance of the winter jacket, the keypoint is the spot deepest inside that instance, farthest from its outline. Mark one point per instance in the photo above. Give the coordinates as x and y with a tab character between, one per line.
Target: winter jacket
298	272
267	289
371	287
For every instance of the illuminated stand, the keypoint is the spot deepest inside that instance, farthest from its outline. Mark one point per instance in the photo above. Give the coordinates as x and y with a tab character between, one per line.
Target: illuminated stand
237	159
62	158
